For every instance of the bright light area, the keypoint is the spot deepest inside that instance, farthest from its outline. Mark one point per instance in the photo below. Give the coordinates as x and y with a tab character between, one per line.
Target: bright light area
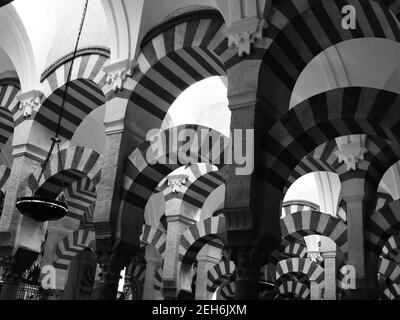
121	281
304	188
204	103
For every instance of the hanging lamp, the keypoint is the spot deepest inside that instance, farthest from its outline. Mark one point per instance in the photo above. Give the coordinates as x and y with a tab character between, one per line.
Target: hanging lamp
41	208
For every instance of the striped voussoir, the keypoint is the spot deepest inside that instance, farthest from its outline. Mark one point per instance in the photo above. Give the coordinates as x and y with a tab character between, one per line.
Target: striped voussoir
383	224
200	189
219	274
210	231
383	198
298	289
323	158
227	292
146	168
293	206
154	237
9	106
301	224
301	30
296	250
83	97
87	66
389	269
138	271
4	175
158	280
391	250
335	113
70	246
77	163
182	51
391	292
312	270
81	197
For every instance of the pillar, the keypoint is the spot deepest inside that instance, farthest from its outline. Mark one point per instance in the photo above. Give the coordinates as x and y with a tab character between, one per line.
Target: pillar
153	262
361	204
114	248
315	290
206	259
176	225
330	272
248	273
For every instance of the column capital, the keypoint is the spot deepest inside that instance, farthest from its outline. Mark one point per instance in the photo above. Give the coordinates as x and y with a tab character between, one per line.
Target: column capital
207	258
329	254
30	101
30	151
243	34
118	72
351	153
176	182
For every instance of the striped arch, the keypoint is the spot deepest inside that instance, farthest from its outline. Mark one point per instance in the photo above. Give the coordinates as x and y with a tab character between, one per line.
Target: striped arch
138	271
175	55
323	158
296	250
301	224
219	274
312	270
301	32
389	269
77	163
211	232
392	248
88	64
328	115
155	237
383	198
9	108
81	197
392	292
200	189
151	162
293	206
227	292
67	249
299	290
383	224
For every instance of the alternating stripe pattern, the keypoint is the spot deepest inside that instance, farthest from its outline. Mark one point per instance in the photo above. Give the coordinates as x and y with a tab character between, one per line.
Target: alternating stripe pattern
383	224
301	30
389	269
174	55
391	250
9	106
219	274
305	266
154	237
77	163
299	290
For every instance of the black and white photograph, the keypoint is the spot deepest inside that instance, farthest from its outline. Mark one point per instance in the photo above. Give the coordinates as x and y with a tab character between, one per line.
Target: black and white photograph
200	155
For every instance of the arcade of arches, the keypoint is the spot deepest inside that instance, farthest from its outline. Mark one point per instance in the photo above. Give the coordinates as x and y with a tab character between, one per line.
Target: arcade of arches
317	219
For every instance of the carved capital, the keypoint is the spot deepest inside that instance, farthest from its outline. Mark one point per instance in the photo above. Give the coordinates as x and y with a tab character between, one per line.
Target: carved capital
176	182
244	33
118	72
350	154
30	101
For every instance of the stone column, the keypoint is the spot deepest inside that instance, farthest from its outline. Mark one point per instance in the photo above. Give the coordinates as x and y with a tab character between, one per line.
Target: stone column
177	224
206	259
248	273
153	262
120	142
315	290
330	272
360	206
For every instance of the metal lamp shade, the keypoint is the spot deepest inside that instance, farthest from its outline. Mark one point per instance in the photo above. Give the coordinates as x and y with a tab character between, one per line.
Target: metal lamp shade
42	209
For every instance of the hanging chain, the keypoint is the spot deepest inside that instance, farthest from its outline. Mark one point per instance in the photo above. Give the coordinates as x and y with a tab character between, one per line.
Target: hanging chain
56	140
